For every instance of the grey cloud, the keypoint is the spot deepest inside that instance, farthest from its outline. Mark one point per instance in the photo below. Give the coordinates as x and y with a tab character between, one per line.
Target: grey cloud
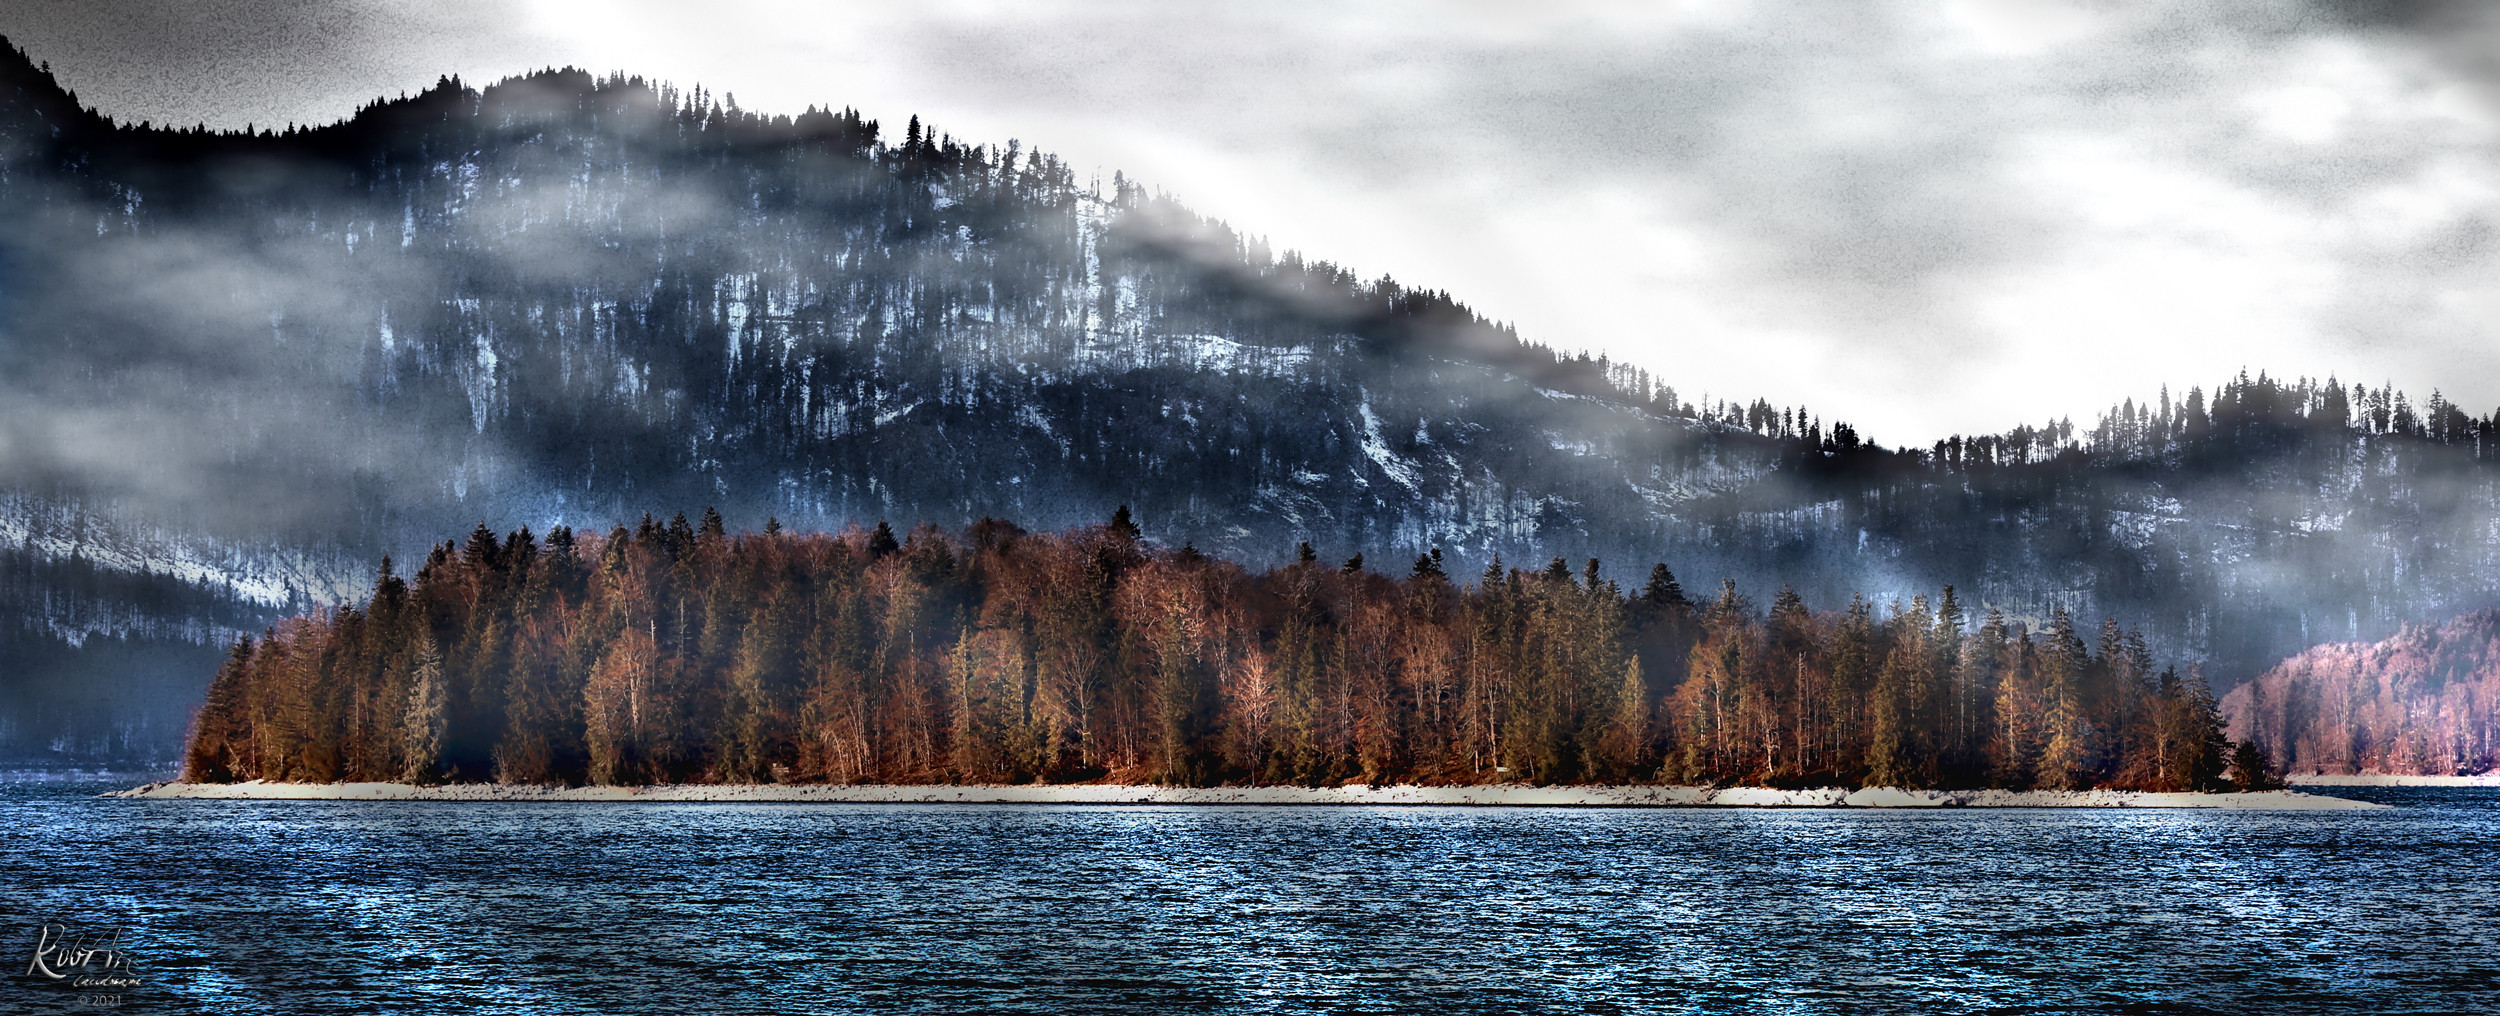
1849	175
232	62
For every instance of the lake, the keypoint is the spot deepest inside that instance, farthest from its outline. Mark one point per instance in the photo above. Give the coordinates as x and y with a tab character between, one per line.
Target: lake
254	906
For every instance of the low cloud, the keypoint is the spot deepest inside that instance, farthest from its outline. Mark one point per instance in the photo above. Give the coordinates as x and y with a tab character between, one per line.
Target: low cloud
1921	218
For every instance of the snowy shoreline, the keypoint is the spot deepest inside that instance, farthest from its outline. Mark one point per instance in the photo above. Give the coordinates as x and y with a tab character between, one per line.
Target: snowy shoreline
2389	780
1497	795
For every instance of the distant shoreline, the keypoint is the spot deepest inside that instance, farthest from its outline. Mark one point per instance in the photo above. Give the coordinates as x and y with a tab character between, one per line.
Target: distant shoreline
2389	780
1512	795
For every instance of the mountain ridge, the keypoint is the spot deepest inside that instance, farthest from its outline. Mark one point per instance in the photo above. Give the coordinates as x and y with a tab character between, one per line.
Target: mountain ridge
562	298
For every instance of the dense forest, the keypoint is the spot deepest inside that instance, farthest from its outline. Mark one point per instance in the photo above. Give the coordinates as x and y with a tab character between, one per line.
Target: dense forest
2423	702
679	653
260	359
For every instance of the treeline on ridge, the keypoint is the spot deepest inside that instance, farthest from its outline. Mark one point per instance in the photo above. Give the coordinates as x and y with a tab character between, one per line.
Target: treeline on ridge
679	653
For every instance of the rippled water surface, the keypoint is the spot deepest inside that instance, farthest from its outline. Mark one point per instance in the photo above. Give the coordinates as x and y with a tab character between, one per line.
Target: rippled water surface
390	907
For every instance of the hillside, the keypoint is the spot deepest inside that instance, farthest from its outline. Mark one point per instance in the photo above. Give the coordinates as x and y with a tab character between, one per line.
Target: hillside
2424	702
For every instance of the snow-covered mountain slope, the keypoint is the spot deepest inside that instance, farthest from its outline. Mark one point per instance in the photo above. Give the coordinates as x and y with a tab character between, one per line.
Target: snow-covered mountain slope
253	364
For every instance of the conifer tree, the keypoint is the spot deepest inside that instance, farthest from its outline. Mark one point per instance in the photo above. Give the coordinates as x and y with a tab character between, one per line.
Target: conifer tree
1854	668
1428	566
2251	770
2067	748
1178	702
1662	591
2187	749
1947	727
1623	747
2020	708
221	735
428	713
1891	751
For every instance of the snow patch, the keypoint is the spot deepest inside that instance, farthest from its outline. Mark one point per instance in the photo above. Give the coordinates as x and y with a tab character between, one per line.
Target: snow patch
1398	469
265	575
1220	354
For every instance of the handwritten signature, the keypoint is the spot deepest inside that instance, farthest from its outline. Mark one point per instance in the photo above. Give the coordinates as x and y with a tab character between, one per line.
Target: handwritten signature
84	960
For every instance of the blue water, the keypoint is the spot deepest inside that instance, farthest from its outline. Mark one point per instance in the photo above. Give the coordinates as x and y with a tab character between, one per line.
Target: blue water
252	907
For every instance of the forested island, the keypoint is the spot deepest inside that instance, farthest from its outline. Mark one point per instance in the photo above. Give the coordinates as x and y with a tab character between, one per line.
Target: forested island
678	653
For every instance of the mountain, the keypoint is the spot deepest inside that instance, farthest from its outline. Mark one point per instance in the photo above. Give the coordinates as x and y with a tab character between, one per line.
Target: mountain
2423	702
237	366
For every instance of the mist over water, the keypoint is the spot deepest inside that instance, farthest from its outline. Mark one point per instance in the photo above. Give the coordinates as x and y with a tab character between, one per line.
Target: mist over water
234	906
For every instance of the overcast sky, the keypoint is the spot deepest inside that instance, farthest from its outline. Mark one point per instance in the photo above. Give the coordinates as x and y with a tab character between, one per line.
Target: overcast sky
1923	217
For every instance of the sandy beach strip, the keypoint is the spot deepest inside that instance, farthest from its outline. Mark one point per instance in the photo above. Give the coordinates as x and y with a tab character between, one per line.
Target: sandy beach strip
1513	795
